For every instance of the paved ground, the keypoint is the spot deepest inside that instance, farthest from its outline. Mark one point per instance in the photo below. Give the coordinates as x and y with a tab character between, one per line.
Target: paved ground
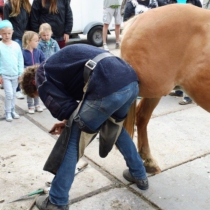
179	138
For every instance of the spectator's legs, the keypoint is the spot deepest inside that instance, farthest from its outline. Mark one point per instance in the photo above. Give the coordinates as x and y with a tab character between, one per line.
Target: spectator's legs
117	33
107	17
186	100
105	29
10	85
118	21
38	108
177	93
31	108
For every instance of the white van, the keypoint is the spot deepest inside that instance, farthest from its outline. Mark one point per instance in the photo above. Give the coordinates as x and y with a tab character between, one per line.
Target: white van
88	20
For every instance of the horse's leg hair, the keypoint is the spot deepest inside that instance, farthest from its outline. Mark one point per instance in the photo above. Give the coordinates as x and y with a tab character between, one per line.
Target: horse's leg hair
143	115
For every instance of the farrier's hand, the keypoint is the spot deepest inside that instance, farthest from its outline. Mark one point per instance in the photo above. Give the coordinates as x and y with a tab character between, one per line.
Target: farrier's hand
66	37
1	80
58	128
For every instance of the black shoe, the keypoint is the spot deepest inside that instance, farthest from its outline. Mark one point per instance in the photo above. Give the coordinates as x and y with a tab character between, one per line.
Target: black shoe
43	203
185	102
176	94
142	184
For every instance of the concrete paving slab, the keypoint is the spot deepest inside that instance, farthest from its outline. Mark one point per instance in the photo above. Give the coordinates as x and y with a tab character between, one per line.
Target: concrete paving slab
90	181
24	149
169	104
174	138
179	137
23	152
114	199
185	187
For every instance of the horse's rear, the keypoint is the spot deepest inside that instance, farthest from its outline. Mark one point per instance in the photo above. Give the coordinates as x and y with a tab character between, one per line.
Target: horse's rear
168	46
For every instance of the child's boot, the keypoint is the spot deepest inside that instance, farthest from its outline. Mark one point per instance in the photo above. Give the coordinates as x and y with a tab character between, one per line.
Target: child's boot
14	114
8	117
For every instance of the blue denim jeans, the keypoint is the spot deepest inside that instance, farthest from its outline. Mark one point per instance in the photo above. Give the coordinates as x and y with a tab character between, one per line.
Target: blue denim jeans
94	113
10	85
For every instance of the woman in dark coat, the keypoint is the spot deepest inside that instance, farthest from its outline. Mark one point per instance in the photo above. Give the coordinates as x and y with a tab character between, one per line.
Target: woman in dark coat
57	13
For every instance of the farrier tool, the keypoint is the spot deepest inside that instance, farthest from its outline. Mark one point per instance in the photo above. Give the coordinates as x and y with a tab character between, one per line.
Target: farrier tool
29	195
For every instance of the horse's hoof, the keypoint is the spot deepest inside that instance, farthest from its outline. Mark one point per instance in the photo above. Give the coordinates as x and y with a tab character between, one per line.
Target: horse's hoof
152	169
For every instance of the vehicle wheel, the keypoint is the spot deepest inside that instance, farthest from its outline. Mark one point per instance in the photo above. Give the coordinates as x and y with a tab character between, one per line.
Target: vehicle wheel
95	36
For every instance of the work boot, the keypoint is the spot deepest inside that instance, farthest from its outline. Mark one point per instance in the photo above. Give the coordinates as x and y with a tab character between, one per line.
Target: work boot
43	203
142	184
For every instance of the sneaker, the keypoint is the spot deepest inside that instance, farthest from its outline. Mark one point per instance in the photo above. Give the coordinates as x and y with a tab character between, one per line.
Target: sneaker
117	46
185	102
38	109
19	95
31	110
43	203
105	47
175	94
15	115
9	117
141	183
44	107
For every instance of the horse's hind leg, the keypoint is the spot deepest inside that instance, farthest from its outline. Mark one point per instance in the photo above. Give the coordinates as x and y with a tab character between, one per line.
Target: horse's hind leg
143	115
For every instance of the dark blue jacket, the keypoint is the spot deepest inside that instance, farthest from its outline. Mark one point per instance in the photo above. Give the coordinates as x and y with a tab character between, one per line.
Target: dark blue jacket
30	59
60	79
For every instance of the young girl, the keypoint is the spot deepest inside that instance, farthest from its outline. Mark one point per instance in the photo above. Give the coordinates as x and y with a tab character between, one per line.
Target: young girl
18	12
11	68
47	45
32	56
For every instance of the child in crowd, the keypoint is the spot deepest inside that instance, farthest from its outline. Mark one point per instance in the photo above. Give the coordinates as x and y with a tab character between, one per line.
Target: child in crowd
11	68
32	56
47	45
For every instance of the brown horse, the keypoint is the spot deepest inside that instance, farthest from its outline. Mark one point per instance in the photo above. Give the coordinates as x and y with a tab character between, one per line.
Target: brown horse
168	46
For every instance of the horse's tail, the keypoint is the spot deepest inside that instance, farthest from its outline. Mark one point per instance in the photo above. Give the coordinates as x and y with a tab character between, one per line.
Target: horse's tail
130	120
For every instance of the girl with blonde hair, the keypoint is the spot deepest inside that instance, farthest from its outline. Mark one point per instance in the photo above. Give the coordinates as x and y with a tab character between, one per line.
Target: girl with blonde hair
32	56
18	12
47	45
